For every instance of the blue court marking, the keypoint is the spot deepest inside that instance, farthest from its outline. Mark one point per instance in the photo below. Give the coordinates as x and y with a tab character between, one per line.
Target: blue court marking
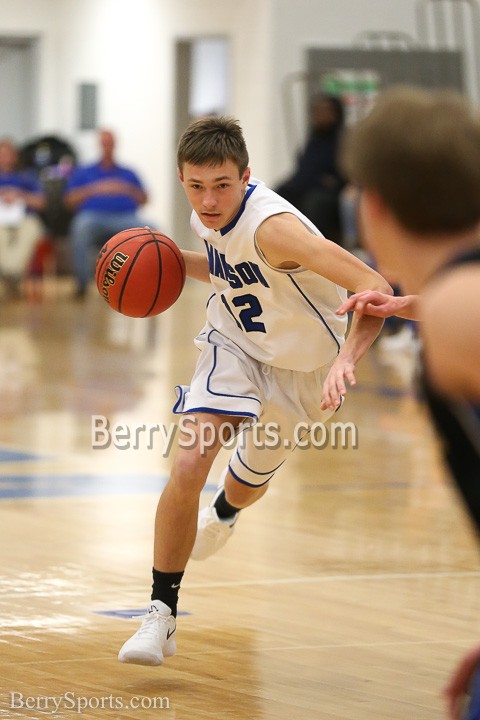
7	456
29	486
128	614
43	486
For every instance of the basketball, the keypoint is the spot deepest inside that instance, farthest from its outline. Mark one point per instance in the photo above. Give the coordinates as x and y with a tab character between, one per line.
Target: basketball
140	272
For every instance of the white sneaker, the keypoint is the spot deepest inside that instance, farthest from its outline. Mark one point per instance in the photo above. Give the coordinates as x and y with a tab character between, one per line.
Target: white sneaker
154	640
212	532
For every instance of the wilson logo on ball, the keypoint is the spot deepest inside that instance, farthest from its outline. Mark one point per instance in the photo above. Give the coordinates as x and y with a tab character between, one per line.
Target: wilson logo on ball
110	275
140	272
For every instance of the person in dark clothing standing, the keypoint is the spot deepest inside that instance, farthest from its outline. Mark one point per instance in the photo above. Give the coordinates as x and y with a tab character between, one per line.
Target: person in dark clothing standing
314	187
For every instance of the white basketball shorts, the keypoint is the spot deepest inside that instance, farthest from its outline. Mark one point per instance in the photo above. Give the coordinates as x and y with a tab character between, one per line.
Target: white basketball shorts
275	403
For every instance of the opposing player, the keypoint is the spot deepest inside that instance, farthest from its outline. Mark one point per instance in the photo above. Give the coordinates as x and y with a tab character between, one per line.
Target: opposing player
417	159
272	350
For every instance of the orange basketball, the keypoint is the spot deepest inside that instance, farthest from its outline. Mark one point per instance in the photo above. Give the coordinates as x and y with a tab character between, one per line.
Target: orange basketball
140	272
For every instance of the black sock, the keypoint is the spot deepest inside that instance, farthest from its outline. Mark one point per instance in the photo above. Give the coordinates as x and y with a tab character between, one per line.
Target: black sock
223	508
165	588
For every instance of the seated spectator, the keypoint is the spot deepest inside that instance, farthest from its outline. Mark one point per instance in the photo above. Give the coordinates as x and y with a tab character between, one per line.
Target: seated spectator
316	183
21	199
104	198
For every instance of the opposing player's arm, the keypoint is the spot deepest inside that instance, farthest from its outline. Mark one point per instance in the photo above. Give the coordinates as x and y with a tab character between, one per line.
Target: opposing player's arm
287	243
451	333
372	302
196	265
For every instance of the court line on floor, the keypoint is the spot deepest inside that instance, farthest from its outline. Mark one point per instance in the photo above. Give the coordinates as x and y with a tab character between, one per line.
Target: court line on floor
292	581
258	650
332	578
305	580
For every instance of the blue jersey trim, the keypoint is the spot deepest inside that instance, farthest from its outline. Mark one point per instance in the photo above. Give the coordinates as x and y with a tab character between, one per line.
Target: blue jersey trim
244	482
316	311
215	411
212	392
233	222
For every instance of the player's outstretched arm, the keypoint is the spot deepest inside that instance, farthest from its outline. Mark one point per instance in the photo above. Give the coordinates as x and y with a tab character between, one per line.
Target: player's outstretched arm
286	242
196	265
372	302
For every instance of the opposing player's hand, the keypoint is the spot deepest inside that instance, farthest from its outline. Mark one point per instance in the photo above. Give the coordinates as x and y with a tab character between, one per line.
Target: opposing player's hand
460	682
335	385
372	302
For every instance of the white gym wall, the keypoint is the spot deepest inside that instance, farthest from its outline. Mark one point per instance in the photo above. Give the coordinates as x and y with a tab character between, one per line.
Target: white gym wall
127	48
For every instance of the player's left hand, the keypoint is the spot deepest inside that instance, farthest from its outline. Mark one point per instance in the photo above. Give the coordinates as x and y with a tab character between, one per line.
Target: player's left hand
335	385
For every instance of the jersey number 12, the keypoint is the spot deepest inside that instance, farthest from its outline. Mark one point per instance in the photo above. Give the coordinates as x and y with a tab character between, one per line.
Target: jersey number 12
251	308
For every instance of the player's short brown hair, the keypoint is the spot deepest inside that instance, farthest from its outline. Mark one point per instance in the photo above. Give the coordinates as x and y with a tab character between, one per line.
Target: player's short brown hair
420	150
213	141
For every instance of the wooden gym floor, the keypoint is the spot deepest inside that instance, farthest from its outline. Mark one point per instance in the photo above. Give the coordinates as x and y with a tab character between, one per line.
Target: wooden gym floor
347	593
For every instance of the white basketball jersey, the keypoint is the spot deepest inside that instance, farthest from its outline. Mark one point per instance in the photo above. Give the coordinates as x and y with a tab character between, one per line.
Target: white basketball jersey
284	318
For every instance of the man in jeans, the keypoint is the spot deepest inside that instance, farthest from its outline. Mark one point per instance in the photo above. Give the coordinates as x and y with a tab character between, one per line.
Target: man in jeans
105	198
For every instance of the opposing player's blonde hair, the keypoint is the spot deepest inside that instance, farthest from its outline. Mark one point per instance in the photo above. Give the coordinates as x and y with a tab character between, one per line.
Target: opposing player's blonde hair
420	150
213	141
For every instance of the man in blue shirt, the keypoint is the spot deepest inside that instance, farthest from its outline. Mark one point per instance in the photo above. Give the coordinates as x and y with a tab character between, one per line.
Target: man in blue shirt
315	185
105	198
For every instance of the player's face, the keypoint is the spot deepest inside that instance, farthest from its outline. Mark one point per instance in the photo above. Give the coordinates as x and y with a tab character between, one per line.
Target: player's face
215	193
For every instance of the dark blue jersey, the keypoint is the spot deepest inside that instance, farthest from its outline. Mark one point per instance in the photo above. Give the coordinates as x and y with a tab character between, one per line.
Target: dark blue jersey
458	424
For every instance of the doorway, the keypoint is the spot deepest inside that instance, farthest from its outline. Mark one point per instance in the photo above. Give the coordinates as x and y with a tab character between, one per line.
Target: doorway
202	88
18	88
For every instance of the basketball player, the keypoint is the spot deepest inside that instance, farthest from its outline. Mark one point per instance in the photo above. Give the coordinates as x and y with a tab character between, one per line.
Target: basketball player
272	350
417	159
